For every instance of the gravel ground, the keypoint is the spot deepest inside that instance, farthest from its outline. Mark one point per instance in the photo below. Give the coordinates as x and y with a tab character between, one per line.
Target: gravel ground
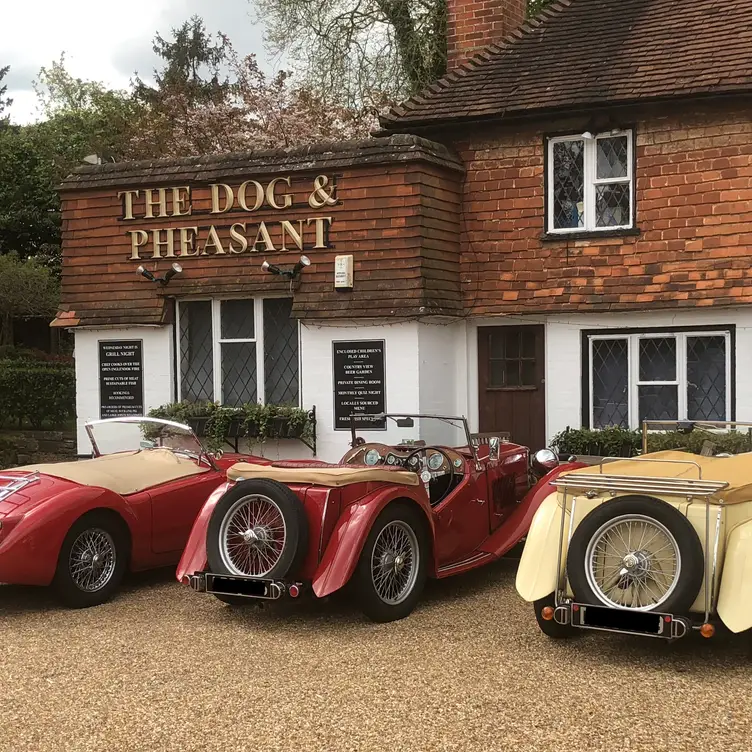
162	668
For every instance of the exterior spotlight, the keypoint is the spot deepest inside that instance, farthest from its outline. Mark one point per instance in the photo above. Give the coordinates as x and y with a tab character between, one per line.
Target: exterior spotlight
302	264
170	273
271	268
146	273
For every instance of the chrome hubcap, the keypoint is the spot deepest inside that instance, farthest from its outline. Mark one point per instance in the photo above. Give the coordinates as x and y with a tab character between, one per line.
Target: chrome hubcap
92	560
394	562
252	536
633	562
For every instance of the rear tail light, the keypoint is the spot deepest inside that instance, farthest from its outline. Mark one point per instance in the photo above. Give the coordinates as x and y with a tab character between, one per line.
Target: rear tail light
707	630
547	613
294	591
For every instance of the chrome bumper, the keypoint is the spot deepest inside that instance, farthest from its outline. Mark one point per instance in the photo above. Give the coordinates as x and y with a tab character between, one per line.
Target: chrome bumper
240	587
622	621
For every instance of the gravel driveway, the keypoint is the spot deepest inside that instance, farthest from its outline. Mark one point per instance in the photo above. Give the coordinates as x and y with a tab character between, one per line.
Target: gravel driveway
162	668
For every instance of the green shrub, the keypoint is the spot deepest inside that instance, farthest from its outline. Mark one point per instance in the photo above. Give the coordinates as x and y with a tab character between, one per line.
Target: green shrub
37	393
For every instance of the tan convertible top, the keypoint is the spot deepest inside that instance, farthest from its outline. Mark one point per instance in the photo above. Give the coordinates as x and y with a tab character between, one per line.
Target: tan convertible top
736	470
125	472
333	476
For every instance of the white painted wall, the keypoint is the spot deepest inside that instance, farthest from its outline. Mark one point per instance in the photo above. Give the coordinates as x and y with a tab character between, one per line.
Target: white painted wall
158	370
564	359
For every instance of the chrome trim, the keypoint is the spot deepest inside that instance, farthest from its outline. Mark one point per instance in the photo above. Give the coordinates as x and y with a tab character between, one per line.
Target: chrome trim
196	582
276	588
464	562
562	615
680	626
651	459
559	575
643	484
17	482
571	521
323	521
713	599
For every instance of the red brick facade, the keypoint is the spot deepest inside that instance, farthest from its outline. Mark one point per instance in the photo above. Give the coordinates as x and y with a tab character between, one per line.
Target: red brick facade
473	25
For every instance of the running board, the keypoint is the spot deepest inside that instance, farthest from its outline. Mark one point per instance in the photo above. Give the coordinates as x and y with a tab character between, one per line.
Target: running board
465	565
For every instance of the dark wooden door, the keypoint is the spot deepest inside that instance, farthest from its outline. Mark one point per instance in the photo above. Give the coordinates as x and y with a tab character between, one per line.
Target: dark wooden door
511	389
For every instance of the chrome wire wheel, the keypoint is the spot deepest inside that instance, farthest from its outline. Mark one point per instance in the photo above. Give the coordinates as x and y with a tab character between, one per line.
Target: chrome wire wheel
633	562
92	560
394	562
252	536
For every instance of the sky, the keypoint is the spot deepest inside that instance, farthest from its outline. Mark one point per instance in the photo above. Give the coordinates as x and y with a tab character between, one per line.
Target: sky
104	40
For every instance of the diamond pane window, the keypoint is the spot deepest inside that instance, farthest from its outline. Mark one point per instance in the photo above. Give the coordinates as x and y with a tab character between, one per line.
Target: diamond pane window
568	184
280	352
706	378
590	182
610	383
196	362
237	351
661	376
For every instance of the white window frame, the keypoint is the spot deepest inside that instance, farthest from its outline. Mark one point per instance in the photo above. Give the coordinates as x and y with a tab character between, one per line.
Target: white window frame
633	370
590	176
218	341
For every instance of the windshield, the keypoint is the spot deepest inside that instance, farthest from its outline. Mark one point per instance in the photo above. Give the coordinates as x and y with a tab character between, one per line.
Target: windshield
429	430
138	434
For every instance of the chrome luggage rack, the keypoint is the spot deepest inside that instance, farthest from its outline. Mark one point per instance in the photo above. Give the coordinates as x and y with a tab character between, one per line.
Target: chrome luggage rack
9	484
688	488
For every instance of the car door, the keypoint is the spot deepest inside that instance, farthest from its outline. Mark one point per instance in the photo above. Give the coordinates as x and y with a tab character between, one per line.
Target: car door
175	506
462	521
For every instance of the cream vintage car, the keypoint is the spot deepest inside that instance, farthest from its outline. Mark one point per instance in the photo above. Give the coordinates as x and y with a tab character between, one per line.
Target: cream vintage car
658	545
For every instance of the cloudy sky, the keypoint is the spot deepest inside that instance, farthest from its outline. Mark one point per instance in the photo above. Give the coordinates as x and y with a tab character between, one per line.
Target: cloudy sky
104	41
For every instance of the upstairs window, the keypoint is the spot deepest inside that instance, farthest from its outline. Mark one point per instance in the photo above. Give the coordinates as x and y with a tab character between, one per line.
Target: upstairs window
590	183
237	351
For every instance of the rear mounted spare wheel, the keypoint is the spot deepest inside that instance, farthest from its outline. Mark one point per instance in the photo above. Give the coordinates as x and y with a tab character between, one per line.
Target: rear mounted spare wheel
258	529
638	553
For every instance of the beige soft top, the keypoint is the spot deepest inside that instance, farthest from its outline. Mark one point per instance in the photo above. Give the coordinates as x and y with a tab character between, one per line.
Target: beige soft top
125	472
736	470
334	476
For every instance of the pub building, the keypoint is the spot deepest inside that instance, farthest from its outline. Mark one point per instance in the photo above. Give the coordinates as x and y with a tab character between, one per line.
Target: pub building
555	234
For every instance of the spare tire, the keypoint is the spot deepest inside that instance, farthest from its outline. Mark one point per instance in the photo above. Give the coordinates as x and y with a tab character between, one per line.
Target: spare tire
259	528
638	553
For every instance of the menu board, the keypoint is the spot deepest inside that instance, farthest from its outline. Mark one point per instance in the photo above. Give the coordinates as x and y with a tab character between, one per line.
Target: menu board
359	387
121	378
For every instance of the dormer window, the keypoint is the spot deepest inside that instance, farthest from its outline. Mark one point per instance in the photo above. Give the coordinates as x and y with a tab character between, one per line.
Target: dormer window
590	183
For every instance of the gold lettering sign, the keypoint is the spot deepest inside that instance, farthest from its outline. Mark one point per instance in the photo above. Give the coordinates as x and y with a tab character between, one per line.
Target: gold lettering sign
227	237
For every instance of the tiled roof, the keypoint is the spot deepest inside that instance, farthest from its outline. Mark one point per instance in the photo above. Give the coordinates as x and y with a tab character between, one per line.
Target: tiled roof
584	53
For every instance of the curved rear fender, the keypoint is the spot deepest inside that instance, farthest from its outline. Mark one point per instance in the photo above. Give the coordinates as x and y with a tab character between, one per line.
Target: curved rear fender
735	593
194	555
346	543
29	553
537	573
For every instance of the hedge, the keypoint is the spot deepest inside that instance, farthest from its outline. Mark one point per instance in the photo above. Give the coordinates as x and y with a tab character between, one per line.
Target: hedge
37	393
623	442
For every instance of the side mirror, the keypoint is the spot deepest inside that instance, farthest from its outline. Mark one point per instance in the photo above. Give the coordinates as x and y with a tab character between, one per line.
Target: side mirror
543	461
405	423
494	448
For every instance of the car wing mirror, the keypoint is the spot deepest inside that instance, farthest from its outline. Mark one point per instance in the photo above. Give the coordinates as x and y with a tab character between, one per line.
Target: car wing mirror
405	423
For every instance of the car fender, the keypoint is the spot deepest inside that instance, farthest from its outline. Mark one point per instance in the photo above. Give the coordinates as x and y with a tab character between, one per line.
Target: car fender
537	573
30	551
349	536
194	557
735	593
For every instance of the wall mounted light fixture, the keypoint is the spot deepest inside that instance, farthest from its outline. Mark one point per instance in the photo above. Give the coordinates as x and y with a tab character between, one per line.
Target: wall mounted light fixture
169	274
289	273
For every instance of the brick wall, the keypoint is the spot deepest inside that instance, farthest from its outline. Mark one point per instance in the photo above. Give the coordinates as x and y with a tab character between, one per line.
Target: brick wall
694	211
474	24
19	447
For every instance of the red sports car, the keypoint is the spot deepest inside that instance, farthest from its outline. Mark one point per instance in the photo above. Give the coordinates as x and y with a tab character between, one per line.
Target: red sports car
78	526
382	520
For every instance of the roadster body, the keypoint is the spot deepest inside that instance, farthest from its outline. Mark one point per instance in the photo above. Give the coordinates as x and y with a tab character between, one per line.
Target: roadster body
80	525
657	545
382	520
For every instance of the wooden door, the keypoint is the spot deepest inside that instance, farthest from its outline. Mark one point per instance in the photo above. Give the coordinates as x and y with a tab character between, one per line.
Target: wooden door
511	388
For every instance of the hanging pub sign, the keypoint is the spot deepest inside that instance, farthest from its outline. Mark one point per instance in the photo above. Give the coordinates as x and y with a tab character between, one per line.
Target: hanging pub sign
121	378
359	388
206	230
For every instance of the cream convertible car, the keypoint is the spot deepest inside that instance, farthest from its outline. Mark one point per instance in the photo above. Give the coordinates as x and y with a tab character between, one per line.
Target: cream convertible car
657	545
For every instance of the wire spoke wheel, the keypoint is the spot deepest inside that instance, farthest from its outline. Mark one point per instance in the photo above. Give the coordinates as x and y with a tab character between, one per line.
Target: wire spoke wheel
92	560
395	562
633	561
252	536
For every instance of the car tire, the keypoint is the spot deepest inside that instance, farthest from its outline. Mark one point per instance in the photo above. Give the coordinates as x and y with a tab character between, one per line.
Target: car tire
274	502
407	526
552	628
667	520
92	560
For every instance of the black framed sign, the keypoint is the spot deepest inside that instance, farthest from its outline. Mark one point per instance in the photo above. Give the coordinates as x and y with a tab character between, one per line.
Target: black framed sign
121	378
359	383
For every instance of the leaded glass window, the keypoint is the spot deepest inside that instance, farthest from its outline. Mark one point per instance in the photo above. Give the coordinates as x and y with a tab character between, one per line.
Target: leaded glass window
590	182
238	350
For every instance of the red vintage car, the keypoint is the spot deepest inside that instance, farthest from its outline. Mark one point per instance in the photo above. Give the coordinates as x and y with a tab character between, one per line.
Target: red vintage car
78	526
381	520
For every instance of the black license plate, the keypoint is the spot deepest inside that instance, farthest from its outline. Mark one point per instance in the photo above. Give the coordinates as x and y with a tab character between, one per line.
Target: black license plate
241	586
619	620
